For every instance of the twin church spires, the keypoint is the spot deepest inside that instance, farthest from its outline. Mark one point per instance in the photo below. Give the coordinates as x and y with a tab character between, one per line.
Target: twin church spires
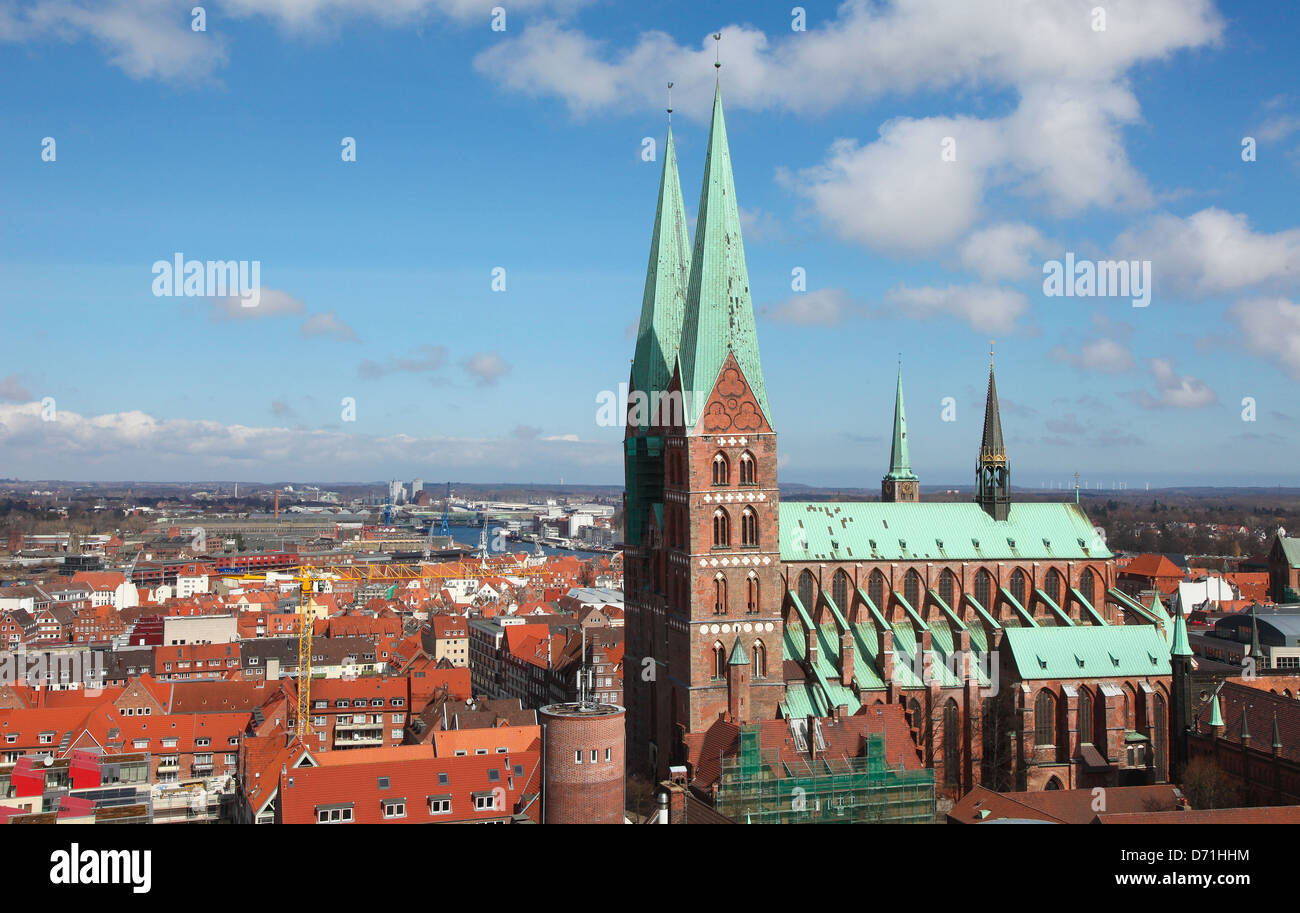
696	312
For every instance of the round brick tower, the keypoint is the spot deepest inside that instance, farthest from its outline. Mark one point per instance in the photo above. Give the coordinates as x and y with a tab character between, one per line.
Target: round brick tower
584	763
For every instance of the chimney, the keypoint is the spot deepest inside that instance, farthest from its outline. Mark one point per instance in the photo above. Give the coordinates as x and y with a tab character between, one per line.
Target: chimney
812	737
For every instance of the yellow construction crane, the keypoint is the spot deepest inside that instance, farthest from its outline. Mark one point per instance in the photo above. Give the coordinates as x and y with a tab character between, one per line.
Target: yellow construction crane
308	582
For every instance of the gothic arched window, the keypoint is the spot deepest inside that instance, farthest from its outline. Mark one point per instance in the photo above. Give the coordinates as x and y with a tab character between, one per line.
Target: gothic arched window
719	661
806	589
1085	716
951	744
749	527
751	594
912	588
876	589
721	469
840	589
984	588
760	660
720	595
1018	586
1045	718
1088	586
721	528
748	469
947	584
1054	586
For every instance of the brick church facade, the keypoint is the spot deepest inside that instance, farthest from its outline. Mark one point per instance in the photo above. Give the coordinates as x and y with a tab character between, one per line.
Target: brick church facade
997	625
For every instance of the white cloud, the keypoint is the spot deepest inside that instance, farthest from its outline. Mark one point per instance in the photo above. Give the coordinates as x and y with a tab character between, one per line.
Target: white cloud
1062	142
12	389
271	303
896	194
153	38
1212	252
485	367
983	307
1106	356
902	194
1271	327
1173	391
138	445
1003	251
328	324
823	307
865	51
429	358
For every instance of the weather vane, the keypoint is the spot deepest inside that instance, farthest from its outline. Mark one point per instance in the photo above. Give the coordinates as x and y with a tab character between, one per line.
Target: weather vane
670	101
717	60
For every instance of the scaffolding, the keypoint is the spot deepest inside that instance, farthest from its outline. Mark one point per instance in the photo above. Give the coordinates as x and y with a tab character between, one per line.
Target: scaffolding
759	787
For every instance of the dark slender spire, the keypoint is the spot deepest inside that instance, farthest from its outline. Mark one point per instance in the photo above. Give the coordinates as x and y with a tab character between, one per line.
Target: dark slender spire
993	472
991	445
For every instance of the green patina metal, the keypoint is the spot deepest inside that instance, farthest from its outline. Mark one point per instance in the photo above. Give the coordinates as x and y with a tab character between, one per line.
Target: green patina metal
719	313
900	462
663	305
1088	651
884	531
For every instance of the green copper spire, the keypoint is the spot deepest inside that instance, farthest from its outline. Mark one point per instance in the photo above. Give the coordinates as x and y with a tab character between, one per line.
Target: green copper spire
719	313
664	302
900	463
1216	716
1179	644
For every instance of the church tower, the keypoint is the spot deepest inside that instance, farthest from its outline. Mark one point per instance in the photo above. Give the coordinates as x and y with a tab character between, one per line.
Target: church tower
900	483
716	587
663	306
993	472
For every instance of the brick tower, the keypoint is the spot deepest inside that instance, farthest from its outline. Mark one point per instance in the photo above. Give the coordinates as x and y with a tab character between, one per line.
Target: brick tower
709	552
585	759
663	307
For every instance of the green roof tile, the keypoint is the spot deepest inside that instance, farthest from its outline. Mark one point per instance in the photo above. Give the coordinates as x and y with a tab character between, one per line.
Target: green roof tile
846	531
1088	651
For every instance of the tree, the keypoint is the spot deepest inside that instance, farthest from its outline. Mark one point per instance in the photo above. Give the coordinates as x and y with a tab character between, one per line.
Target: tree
1206	786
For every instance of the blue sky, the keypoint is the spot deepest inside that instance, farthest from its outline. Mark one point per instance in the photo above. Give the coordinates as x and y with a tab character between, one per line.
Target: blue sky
522	149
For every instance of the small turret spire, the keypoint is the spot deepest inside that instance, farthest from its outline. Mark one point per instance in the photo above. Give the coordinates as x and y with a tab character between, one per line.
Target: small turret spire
899	483
993	472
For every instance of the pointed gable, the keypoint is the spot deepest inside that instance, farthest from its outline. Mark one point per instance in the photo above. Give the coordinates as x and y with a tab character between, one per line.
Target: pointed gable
719	313
732	405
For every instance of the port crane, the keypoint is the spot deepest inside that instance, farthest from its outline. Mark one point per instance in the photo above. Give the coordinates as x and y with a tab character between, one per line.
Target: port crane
309	582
